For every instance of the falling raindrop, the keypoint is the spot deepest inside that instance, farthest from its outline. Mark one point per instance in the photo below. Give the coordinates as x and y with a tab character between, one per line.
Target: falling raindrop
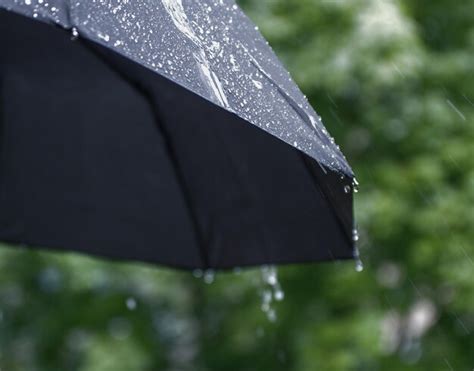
209	276
198	273
359	266
271	315
237	270
131	303
266	300
260	332
279	294
269	274
355	235
119	328
355	185
272	290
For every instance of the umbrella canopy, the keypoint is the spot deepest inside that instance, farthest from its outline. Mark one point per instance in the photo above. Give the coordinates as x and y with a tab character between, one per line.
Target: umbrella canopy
162	131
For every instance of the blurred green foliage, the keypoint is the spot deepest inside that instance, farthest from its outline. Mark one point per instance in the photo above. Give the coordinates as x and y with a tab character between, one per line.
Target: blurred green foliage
394	83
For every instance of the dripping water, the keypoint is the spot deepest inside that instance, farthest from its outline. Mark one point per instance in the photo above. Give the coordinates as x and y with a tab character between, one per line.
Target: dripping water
74	33
131	303
355	185
271	291
359	266
209	276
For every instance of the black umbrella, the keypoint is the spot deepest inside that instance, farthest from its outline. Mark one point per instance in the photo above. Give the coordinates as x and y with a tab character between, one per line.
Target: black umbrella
162	131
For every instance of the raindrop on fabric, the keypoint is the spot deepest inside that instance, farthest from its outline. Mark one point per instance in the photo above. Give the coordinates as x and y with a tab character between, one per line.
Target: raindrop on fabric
103	36
74	33
258	84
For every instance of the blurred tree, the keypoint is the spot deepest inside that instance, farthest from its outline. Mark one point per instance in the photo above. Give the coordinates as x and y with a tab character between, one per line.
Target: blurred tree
393	82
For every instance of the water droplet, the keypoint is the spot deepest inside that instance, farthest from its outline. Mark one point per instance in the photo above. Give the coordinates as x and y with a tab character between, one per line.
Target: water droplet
271	315
74	33
119	328
131	303
279	294
355	235
359	266
347	189
103	36
269	275
209	276
355	185
237	270
258	84
266	300
272	290
198	273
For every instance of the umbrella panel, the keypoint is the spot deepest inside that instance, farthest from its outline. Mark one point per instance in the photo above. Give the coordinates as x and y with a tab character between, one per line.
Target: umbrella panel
103	156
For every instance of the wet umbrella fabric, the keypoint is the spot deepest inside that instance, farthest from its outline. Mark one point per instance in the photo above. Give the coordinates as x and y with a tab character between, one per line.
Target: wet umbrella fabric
158	134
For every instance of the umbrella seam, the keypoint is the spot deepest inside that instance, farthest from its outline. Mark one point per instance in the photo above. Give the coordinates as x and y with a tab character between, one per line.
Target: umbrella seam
179	176
252	195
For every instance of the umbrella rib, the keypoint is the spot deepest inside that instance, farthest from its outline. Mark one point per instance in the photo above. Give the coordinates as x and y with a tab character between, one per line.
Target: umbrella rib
179	177
169	148
341	220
